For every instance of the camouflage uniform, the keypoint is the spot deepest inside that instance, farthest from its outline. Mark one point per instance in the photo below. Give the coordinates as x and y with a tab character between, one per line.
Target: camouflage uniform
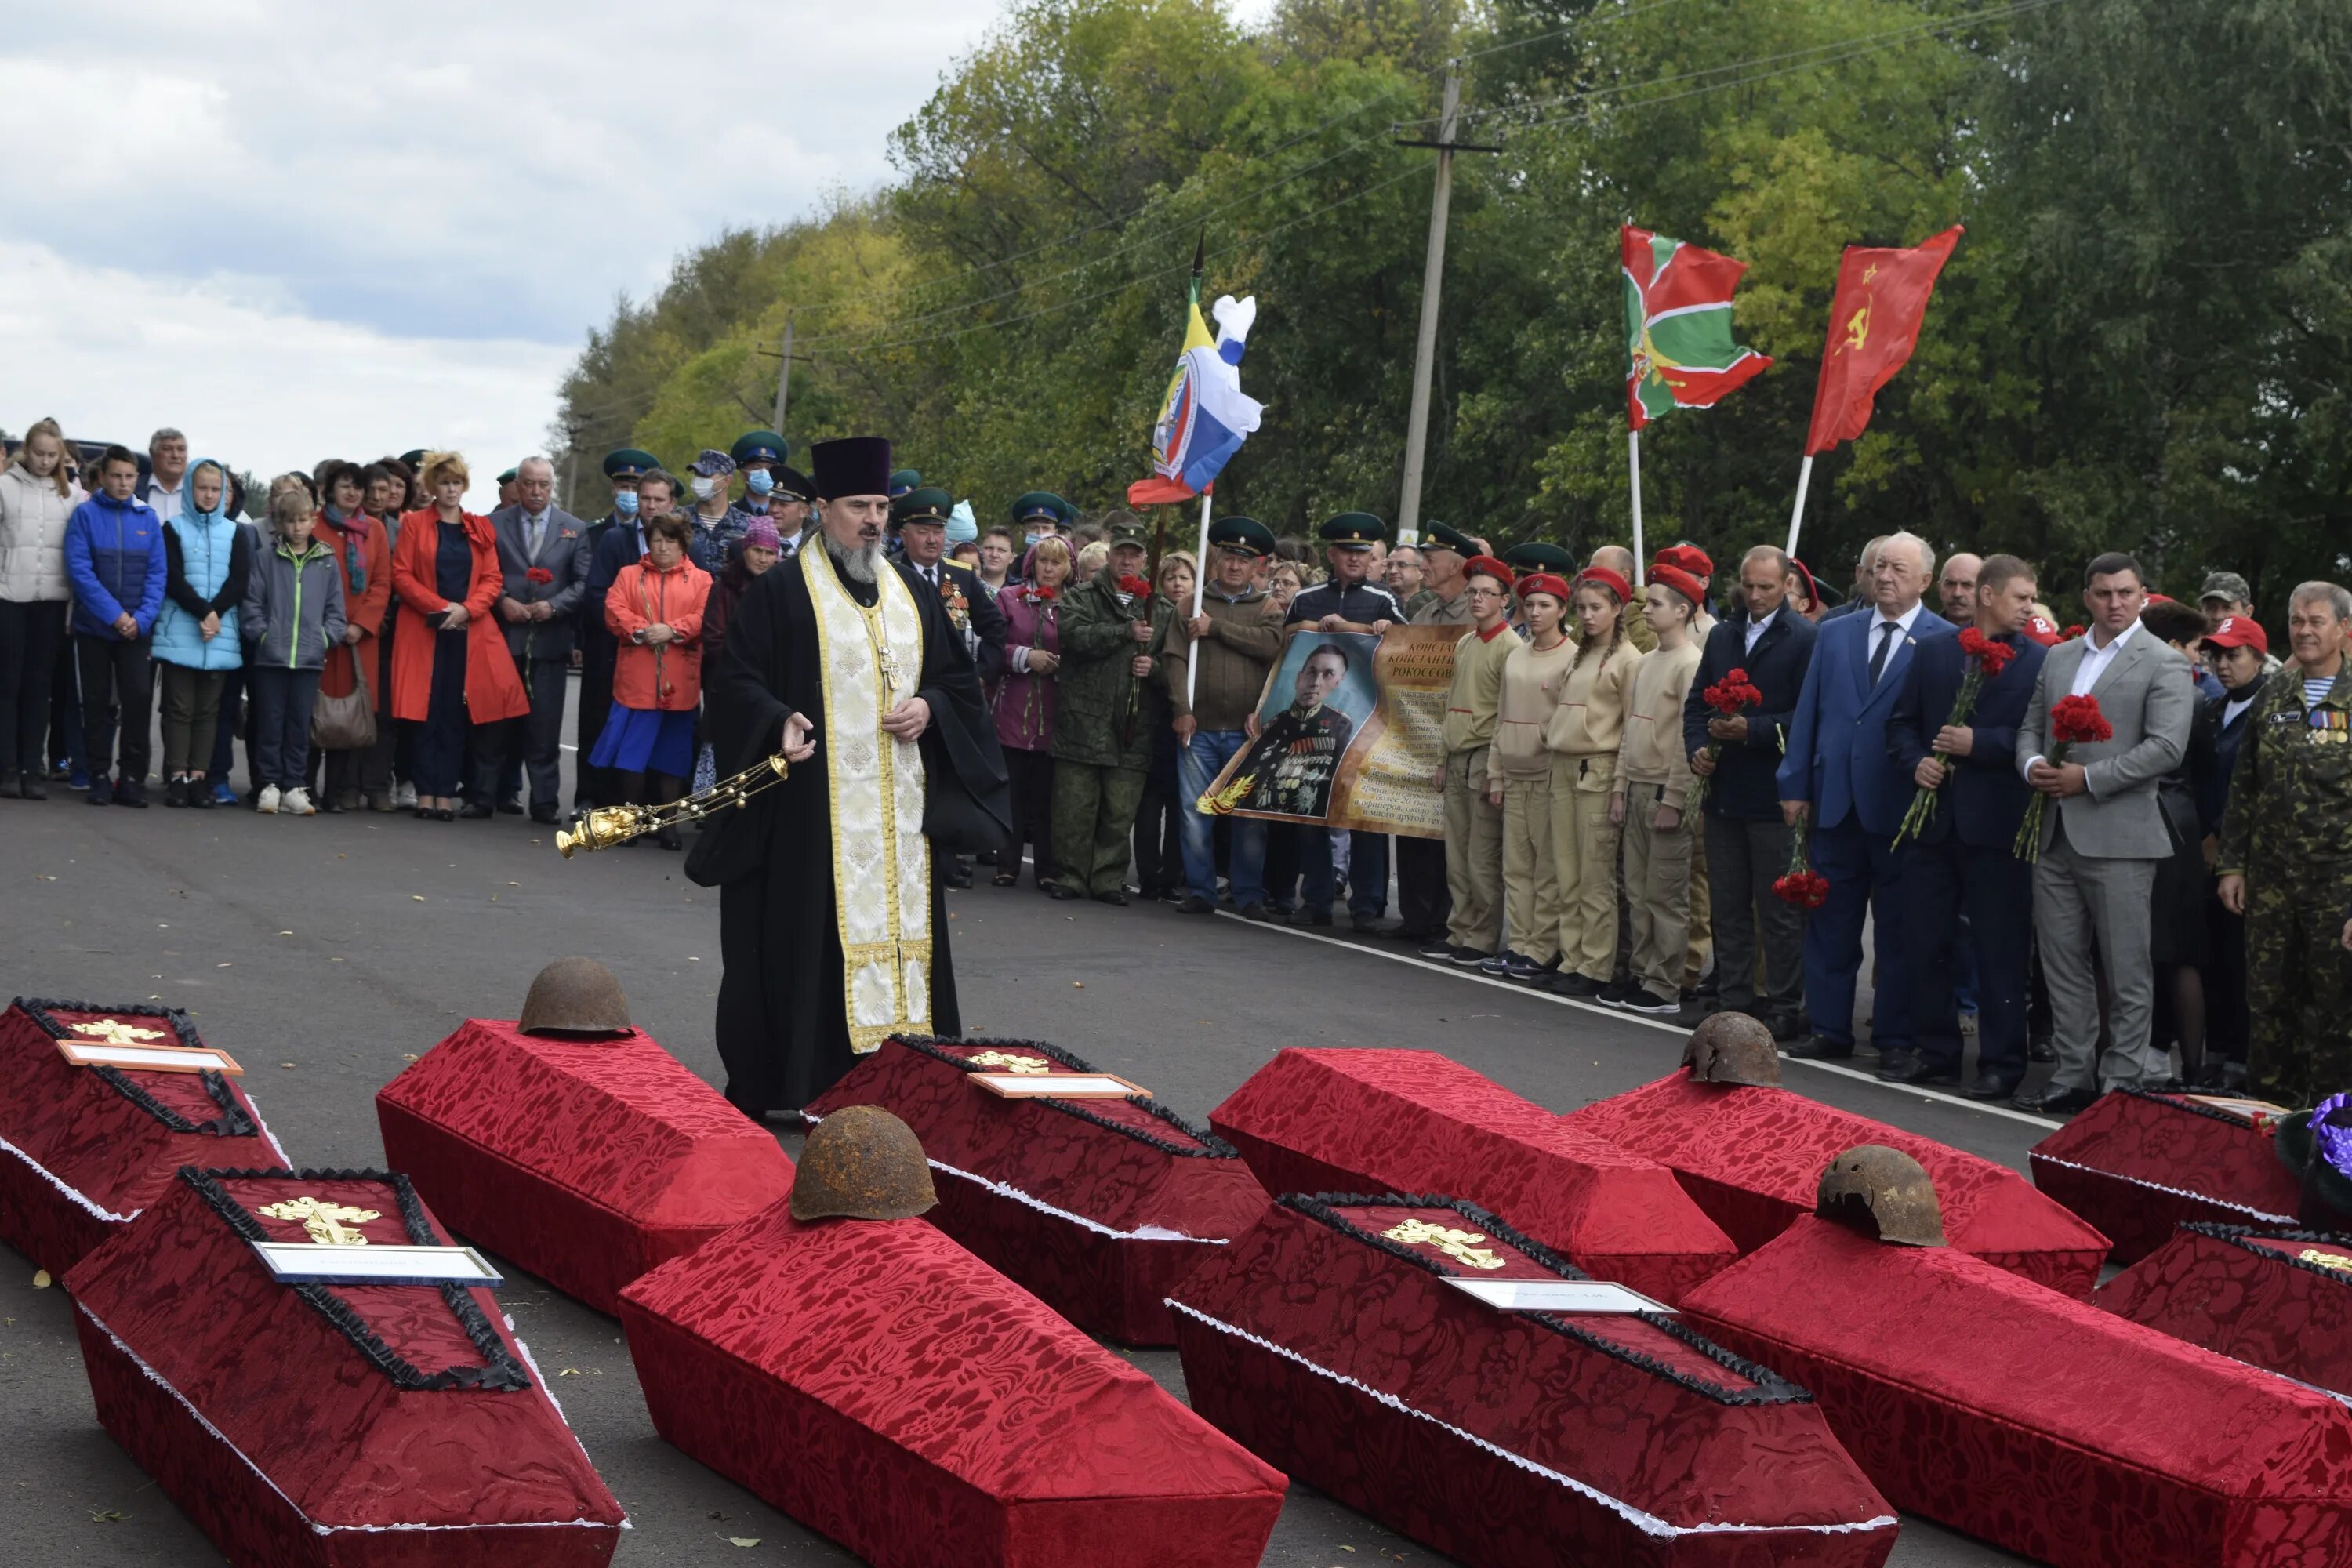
2288	831
1103	729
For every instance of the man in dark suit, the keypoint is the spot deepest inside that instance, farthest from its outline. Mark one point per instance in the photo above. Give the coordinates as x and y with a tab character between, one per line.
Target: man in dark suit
1747	840
1837	773
1961	862
921	517
543	553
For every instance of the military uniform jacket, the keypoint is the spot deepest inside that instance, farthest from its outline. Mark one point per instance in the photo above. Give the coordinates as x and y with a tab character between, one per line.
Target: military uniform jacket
1364	603
1293	762
1102	717
2290	814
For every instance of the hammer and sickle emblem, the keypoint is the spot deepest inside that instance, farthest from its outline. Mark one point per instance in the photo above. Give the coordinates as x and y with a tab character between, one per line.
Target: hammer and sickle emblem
1857	330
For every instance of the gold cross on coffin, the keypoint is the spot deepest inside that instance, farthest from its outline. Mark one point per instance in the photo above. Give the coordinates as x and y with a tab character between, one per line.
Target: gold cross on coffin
323	1220
114	1032
1458	1244
1004	1063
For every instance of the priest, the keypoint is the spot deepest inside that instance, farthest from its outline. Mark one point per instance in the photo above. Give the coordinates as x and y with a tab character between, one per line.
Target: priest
831	925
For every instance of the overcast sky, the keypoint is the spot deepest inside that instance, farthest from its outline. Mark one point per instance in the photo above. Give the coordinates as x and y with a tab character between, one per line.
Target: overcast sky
297	230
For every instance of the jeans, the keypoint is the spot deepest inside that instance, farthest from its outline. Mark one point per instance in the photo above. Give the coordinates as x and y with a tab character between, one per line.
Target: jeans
282	699
1367	869
118	682
1197	765
31	632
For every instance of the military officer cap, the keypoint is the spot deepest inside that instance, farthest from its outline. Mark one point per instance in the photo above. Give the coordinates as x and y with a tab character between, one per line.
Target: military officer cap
1353	531
712	464
1043	504
1447	537
1244	535
629	463
759	447
922	506
412	457
1124	528
904	480
1539	555
793	485
509	477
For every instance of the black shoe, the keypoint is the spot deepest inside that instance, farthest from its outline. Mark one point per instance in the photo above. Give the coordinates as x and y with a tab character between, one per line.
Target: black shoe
443	814
1465	957
1258	913
1696	1012
1194	904
667	836
132	793
101	791
1645	1002
511	808
543	815
958	879
1819	1048
1369	925
2054	1102
1308	915
201	796
1518	966
1990	1087
1064	895
1618	992
176	794
1910	1066
12	785
1568	982
2041	1051
33	786
473	812
1434	946
1113	897
1786	1023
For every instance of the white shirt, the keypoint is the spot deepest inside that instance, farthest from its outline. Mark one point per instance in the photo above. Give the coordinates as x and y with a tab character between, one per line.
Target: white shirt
166	502
1756	629
1902	624
2095	663
2235	706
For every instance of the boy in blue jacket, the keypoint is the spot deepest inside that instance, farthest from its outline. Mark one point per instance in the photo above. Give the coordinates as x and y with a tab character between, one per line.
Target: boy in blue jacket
114	557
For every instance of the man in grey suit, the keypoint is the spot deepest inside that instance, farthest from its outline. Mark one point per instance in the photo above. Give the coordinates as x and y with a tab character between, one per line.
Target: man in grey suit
2102	835
543	551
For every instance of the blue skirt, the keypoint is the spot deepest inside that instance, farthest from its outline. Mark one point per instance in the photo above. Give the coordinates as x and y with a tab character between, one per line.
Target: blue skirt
641	740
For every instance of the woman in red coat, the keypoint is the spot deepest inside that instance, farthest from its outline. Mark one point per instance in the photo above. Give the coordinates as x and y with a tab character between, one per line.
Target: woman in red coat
655	609
450	667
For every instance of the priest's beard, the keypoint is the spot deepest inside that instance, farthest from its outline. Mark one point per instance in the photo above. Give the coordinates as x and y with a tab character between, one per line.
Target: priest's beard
861	565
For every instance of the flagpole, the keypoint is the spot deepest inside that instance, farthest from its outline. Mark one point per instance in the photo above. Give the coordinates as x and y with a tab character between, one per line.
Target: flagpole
1199	584
1633	466
1797	513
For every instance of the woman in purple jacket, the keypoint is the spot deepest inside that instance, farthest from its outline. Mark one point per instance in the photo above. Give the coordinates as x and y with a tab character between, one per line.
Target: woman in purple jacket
1024	705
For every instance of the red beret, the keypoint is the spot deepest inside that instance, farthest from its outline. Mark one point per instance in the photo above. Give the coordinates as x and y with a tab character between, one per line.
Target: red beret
1681	582
1550	583
1604	577
1690	558
1487	566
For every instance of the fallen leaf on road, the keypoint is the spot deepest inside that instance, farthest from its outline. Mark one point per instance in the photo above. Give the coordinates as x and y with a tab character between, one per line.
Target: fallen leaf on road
285	933
107	1516
408	1056
1077	985
222	966
569	1372
743	1540
514	884
416	898
287	1065
40	1279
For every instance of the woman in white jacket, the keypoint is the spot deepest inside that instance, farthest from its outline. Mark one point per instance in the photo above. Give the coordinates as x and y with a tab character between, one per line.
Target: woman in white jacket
35	500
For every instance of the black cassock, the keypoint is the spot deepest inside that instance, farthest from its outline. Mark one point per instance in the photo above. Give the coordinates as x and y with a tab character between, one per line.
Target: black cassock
783	1022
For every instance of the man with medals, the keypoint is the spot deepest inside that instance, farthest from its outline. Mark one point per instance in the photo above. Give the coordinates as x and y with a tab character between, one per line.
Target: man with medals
1294	761
832	926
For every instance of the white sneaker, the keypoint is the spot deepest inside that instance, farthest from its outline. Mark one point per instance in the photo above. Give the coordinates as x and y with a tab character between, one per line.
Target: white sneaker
266	802
297	803
404	797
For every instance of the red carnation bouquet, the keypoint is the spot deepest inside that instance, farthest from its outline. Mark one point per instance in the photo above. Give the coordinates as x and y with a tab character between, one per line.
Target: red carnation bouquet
1133	587
538	574
1730	696
1986	661
2074	721
1802	884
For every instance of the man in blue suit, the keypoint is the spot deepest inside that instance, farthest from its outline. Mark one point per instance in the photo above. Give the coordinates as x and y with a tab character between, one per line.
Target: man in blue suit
1963	862
1837	772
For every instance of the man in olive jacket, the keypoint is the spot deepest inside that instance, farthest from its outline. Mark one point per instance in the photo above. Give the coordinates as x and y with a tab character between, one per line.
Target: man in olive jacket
1111	638
1236	637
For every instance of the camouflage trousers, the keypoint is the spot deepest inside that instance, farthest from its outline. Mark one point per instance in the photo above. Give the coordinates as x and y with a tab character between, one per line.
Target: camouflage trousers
2298	991
1094	808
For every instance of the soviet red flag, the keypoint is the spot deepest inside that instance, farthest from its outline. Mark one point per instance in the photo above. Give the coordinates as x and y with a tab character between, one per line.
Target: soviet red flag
1882	296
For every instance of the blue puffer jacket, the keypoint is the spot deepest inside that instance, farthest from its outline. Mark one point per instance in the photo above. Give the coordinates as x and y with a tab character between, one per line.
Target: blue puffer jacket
114	556
209	557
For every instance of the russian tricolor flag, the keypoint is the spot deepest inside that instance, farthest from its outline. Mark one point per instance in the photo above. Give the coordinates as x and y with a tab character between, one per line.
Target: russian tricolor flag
1205	417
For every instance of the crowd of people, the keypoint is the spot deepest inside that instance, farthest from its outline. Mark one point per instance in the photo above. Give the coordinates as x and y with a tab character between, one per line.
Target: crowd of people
2096	844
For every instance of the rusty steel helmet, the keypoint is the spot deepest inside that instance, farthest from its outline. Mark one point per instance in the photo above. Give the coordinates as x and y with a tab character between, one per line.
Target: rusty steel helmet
1883	1192
1732	1048
575	996
862	1162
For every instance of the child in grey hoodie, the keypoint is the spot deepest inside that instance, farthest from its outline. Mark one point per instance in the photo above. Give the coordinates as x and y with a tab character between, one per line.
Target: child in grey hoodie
293	613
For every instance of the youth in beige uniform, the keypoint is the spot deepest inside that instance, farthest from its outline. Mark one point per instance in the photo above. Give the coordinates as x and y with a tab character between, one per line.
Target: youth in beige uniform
1583	737
1653	783
1519	781
1474	824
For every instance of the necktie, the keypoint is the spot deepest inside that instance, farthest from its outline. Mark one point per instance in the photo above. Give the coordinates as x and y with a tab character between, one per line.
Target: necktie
538	532
1886	630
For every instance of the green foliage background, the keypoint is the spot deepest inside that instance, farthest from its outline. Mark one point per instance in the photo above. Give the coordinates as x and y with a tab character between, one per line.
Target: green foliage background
2142	342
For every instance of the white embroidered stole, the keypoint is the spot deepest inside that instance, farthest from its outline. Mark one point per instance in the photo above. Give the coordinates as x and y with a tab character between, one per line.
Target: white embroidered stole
873	661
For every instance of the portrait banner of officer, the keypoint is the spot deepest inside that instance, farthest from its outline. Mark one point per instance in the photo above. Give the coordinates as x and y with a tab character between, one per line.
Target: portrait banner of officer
1348	734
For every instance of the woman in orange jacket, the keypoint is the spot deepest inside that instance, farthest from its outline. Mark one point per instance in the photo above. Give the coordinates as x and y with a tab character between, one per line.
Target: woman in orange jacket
655	609
450	667
363	556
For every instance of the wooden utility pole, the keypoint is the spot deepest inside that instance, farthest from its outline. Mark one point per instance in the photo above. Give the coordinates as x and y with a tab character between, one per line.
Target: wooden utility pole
1432	283
785	374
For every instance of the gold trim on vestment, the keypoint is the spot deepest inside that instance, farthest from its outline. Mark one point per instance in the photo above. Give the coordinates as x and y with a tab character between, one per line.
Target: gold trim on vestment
881	862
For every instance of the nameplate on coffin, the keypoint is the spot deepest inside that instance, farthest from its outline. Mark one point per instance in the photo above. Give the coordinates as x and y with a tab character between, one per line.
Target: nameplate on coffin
148	1058
2255	1111
1557	1296
1057	1086
312	1263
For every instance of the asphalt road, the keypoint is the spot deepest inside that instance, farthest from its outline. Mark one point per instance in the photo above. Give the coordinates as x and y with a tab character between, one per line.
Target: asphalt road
327	952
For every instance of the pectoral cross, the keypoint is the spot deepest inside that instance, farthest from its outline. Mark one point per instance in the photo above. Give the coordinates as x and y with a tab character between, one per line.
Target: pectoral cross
889	677
324	1221
1458	1244
114	1032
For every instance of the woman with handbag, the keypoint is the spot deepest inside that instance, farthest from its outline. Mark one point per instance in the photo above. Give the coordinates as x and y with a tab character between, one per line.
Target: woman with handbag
348	710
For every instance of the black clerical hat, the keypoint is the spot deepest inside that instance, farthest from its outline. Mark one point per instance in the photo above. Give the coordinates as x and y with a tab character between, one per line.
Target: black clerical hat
851	466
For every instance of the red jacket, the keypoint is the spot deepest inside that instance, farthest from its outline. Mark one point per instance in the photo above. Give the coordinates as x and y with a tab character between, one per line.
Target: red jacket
493	689
363	607
667	678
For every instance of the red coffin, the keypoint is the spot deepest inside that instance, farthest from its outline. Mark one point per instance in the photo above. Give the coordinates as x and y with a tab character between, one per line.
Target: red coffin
2278	1298
881	1384
586	1162
1098	1206
329	1426
2137	1164
1412	1122
84	1149
2035	1421
1329	1342
1752	1158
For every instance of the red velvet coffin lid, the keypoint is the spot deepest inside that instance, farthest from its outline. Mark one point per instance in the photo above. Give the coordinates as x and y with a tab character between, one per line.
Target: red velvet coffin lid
1413	1122
2276	1299
904	1333
1752	1158
1131	1166
1672	1432
2028	1417
2136	1163
366	1406
107	1140
668	1151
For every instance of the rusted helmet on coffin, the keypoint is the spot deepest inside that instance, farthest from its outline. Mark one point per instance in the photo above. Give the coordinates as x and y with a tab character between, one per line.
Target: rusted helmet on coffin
1882	1192
862	1162
575	996
1732	1048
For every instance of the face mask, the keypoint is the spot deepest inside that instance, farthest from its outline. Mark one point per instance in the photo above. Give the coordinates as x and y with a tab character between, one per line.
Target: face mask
625	502
703	487
760	481
1035	539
